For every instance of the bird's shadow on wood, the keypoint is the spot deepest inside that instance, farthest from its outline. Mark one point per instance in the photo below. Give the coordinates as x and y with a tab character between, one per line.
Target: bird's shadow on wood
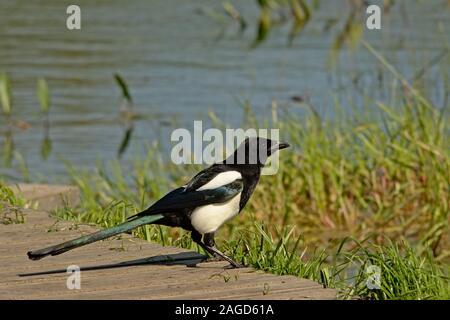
189	259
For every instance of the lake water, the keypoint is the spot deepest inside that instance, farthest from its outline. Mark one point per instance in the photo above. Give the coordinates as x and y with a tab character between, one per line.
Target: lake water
180	63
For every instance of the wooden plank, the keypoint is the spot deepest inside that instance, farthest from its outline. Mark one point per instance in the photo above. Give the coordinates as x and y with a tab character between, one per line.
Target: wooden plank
133	269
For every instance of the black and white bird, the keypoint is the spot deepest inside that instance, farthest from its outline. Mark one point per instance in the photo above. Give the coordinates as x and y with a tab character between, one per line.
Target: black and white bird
202	206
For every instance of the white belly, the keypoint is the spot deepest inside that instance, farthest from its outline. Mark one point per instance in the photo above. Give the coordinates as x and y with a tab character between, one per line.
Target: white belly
209	218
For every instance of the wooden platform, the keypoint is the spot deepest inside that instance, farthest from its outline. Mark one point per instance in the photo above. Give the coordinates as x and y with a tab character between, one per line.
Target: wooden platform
128	268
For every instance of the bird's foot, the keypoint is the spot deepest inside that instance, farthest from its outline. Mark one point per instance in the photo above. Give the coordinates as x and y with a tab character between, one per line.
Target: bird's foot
232	265
235	265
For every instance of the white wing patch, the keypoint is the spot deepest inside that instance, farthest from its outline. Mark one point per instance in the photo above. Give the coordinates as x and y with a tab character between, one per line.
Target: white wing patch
220	180
209	218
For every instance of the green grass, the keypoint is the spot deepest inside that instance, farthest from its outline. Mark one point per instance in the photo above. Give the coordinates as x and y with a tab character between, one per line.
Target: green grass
7	197
405	274
385	185
10	205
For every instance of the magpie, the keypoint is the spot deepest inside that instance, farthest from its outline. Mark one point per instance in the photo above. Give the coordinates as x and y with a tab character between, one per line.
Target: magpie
202	206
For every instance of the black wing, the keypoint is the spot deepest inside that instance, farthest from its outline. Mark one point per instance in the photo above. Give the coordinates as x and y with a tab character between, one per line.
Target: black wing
180	198
204	176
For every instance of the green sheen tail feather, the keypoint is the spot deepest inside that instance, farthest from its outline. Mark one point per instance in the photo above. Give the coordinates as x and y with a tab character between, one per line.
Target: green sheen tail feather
90	238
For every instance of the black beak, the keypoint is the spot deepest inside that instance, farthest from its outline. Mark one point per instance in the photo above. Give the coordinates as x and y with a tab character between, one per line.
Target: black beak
279	146
283	145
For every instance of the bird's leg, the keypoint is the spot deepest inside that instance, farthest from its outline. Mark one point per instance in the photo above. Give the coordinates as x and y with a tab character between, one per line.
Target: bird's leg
197	238
208	240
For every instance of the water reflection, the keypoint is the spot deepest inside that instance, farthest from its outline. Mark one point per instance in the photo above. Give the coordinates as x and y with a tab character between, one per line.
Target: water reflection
43	95
8	148
46	144
126	113
128	131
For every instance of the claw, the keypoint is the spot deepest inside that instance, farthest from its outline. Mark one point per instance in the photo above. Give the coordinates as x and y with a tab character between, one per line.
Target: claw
235	265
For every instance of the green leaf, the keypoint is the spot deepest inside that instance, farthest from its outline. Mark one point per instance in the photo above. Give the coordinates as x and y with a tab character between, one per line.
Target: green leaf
264	26
43	95
124	87
5	93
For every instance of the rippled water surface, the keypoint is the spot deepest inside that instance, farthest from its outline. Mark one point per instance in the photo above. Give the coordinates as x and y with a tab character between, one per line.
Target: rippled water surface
180	63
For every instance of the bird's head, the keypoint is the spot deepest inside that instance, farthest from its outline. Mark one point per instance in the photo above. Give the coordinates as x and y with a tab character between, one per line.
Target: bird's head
255	151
